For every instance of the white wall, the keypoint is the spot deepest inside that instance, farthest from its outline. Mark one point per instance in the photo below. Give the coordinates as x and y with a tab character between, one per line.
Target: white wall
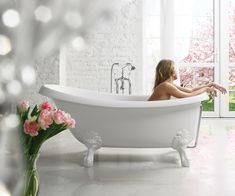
47	72
119	40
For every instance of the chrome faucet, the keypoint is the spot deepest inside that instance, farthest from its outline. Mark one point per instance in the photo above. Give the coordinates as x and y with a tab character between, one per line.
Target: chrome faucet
122	79
122	87
111	85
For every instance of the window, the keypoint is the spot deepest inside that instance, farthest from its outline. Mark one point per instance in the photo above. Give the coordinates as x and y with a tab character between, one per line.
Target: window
231	69
194	31
195	42
186	33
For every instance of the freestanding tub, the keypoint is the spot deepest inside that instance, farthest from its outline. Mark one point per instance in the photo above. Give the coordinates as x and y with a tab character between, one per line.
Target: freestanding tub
107	120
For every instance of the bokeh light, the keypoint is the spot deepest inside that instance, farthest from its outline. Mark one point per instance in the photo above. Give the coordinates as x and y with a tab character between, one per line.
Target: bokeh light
73	19
43	14
7	71
11	121
14	88
4	191
78	43
5	45
28	75
11	18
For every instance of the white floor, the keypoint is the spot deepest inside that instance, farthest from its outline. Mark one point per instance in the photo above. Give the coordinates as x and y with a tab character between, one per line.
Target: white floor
142	172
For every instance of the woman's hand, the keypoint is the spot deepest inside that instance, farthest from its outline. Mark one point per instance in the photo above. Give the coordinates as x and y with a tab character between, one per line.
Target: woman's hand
211	91
218	87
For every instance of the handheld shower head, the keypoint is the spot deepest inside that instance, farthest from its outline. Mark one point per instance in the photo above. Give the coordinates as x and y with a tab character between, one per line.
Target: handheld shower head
132	67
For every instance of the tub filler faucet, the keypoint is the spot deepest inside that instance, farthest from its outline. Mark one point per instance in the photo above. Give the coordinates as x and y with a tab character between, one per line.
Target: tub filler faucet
111	85
122	79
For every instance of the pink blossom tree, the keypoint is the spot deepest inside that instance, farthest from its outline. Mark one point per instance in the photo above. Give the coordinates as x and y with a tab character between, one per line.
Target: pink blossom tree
231	32
201	50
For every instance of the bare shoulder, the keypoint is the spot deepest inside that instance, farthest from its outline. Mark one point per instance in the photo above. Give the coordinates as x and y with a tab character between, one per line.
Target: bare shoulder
162	91
166	85
164	88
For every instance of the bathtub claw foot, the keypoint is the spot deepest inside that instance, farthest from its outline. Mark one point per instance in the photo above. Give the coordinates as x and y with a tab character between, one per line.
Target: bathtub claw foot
180	143
183	158
93	142
89	158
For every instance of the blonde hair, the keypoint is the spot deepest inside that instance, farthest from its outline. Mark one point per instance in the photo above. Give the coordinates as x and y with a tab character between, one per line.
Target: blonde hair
164	70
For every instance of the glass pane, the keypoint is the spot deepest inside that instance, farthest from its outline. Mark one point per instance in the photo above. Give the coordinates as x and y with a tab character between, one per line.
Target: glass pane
232	30
203	75
186	76
231	77
231	89
196	76
208	105
231	101
194	31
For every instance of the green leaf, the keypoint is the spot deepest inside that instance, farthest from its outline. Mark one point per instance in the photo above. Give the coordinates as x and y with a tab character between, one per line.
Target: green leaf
57	132
35	110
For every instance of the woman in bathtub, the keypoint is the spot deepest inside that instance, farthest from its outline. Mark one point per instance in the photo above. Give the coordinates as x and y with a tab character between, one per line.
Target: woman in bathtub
164	87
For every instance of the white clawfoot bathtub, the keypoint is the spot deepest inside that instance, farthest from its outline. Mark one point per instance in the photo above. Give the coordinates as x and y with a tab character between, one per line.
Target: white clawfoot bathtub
107	120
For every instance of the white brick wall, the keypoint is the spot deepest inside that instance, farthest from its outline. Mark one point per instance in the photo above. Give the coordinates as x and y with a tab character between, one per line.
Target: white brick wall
119	40
47	72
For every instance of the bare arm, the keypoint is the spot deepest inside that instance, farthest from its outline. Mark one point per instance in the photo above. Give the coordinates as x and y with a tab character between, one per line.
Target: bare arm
190	90
200	87
184	89
211	84
178	93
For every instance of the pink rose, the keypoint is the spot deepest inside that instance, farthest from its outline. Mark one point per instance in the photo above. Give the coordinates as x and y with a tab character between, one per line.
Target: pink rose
59	116
31	127
45	119
69	121
23	106
45	106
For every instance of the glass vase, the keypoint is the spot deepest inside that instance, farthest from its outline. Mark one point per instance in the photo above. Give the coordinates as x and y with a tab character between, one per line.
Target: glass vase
31	176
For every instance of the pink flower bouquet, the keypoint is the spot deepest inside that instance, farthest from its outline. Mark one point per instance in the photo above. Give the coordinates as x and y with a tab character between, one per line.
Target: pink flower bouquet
36	126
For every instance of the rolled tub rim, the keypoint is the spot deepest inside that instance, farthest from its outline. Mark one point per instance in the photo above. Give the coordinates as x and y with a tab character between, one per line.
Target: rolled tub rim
55	91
